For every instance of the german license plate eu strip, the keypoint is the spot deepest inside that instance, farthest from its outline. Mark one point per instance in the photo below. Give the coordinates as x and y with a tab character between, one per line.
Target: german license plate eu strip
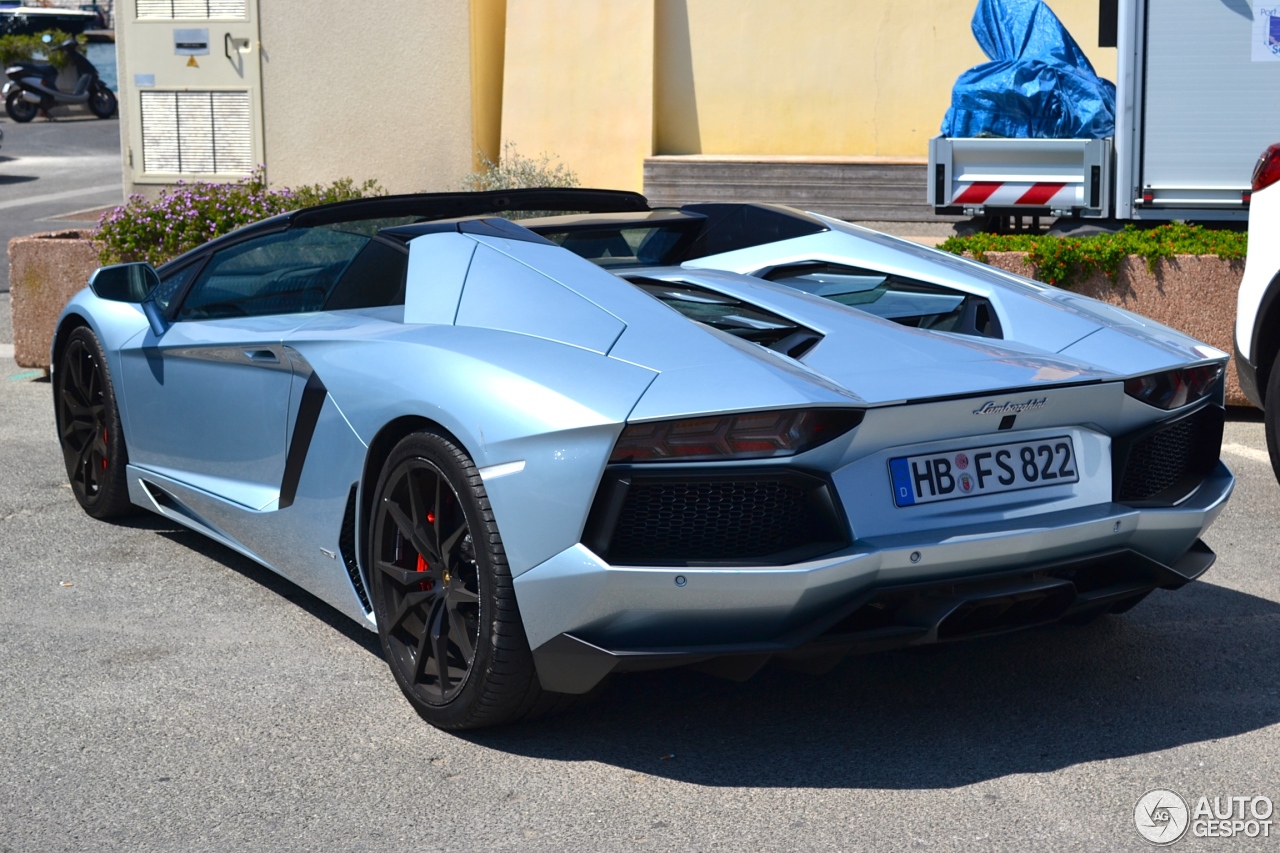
989	470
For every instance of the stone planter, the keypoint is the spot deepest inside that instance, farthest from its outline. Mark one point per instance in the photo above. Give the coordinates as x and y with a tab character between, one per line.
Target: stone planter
45	271
1195	294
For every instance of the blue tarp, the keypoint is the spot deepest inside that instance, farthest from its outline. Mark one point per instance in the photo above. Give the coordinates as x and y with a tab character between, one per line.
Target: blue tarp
1039	84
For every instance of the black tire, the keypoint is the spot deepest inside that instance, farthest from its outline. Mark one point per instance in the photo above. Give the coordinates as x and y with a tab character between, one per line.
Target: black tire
18	109
1271	417
102	101
442	590
89	427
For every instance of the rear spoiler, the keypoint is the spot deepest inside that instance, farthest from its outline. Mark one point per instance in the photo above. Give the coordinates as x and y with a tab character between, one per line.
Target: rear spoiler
463	204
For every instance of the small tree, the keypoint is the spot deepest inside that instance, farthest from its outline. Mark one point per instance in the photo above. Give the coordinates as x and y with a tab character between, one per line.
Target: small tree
514	171
25	48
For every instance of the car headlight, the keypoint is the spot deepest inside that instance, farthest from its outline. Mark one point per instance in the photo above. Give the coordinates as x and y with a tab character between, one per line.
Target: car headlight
1173	389
753	435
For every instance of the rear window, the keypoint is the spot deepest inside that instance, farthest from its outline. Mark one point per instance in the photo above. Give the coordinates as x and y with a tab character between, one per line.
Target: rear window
629	246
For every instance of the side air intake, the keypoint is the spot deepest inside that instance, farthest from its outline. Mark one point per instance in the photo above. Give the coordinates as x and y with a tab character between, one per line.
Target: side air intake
347	546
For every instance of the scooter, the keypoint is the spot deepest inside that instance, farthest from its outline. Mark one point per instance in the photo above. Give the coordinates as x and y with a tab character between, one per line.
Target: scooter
33	87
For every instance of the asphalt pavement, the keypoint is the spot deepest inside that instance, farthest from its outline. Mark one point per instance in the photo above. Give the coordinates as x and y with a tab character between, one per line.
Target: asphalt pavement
51	168
160	692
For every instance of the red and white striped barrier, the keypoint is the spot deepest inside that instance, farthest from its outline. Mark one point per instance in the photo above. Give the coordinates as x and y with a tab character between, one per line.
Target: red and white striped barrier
1014	193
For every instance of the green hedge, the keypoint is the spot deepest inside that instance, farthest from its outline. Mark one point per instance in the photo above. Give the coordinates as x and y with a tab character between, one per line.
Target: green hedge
1063	261
192	214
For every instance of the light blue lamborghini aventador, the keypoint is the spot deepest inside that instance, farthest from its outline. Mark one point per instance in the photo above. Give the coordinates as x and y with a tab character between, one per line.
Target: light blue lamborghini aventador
532	454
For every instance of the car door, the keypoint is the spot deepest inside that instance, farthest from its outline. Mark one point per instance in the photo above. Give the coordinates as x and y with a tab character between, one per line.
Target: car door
209	399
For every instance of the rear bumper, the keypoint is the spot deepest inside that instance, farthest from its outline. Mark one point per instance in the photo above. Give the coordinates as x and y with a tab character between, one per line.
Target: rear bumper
897	616
585	618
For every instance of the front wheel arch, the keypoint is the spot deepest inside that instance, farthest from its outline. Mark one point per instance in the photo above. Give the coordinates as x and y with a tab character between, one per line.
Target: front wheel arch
1265	345
69	324
65	327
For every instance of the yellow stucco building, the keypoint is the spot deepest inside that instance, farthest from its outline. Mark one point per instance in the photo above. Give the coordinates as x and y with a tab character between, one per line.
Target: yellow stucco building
627	93
605	84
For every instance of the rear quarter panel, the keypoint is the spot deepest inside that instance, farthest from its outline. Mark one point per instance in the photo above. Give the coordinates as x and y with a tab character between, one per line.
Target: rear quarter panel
506	398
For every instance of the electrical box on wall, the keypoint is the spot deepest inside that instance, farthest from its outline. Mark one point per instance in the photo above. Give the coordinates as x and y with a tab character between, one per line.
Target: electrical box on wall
191	89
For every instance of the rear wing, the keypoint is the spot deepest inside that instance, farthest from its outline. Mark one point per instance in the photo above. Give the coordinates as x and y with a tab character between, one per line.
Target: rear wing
1040	177
431	206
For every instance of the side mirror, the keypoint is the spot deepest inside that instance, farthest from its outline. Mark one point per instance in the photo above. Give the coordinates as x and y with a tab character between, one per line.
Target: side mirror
131	283
124	282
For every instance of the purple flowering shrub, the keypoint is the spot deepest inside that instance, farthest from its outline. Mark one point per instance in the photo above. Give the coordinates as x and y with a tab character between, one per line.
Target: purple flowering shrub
189	215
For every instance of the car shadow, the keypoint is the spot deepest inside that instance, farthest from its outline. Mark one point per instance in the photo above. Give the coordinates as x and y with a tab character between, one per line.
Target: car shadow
1194	665
286	589
1188	666
1244	414
18	179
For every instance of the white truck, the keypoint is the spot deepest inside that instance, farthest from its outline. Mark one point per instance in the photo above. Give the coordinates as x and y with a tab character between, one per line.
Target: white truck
1197	101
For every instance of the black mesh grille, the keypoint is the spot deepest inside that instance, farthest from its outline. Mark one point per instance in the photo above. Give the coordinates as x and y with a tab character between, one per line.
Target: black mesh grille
665	520
347	545
1168	463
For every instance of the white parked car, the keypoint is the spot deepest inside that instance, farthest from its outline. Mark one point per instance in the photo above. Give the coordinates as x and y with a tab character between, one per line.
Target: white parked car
1257	341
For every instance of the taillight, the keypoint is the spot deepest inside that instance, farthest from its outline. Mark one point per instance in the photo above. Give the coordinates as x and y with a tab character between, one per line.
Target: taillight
1267	172
754	435
1174	389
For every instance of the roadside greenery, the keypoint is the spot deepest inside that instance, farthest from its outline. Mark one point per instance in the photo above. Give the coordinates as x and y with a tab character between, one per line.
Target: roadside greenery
1064	261
189	215
28	48
514	171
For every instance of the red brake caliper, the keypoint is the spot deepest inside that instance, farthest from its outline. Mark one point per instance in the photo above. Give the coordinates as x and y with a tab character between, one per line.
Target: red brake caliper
422	567
104	447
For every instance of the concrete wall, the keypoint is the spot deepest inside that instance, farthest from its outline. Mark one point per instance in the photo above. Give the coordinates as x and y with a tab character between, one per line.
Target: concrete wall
488	47
412	92
814	77
804	77
578	83
375	89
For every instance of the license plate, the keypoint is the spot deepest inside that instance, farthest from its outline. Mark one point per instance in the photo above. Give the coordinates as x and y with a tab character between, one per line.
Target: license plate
996	468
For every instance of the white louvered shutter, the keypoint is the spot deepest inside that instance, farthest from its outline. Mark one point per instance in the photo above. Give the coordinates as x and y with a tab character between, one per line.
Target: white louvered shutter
191	9
196	133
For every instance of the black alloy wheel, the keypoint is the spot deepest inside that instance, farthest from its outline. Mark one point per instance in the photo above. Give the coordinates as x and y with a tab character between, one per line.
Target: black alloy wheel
442	593
89	428
430	580
18	108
